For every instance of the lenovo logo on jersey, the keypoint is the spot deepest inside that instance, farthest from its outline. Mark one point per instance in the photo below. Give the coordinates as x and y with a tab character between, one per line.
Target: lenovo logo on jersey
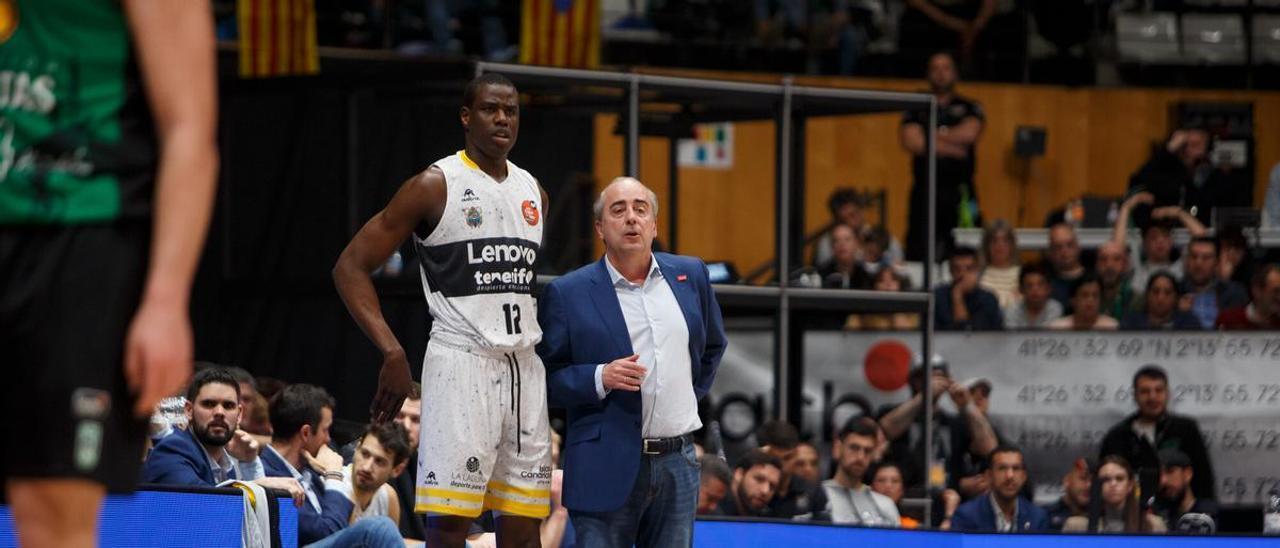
508	253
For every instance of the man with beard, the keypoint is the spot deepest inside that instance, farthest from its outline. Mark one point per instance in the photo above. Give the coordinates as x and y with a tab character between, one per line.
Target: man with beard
1208	295
1175	498
1002	510
213	449
796	497
382	453
1075	495
959	125
852	501
755	481
1116	279
1139	436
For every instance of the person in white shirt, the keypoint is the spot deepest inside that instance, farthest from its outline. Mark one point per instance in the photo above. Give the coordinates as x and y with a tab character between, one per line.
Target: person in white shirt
1000	263
849	499
1035	307
382	454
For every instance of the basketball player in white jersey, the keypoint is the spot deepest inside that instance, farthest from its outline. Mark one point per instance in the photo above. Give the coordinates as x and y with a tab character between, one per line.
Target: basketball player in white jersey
477	222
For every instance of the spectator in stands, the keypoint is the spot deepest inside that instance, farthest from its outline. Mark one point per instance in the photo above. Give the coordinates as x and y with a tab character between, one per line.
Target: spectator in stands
886	479
301	415
844	270
412	525
1264	311
1121	510
1003	510
968	435
755	482
852	501
961	304
805	465
887	279
715	482
875	249
1157	251
959	125
381	454
1153	427
1160	307
1179	174
1115	278
933	25
795	497
1235	261
1000	262
1086	299
1036	308
212	449
1075	495
1176	499
1064	261
1206	295
846	206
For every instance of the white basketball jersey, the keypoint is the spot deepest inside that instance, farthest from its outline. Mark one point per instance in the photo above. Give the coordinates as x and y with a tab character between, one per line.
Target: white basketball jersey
478	264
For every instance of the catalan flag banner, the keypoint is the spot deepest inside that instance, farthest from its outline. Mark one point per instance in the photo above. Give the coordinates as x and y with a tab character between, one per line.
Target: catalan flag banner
277	38
561	33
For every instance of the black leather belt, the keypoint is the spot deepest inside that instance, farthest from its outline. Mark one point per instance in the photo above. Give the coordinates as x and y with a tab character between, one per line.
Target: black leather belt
662	446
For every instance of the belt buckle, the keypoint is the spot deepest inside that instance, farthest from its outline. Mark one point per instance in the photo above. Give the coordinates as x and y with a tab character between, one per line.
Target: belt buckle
644	448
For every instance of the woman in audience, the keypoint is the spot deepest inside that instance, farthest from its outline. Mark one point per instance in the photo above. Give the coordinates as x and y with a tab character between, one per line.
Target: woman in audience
887	279
886	479
1121	511
1001	268
1086	299
1160	307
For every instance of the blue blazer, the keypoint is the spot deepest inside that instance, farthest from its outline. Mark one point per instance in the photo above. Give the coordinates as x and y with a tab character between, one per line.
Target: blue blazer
582	327
335	508
178	460
979	515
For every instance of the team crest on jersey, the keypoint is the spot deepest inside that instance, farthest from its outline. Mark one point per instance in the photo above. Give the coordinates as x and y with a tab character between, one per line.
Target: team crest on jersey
474	219
8	20
469	196
530	212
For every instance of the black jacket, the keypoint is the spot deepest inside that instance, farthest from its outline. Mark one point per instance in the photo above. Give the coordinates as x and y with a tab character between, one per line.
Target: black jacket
1165	177
1172	431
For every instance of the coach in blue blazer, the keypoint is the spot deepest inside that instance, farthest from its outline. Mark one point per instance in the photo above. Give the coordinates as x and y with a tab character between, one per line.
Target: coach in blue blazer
1002	510
631	343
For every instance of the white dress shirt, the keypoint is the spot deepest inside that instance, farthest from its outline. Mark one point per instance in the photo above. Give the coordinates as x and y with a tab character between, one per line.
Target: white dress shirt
304	478
660	336
223	466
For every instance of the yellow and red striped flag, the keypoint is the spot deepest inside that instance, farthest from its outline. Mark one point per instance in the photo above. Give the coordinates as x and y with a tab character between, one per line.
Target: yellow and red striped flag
277	37
561	33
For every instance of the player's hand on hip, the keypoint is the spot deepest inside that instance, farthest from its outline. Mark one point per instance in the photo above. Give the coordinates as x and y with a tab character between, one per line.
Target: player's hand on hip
288	485
157	353
243	447
623	374
393	386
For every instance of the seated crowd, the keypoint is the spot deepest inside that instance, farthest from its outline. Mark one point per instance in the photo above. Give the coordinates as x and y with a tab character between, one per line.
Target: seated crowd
879	478
1211	283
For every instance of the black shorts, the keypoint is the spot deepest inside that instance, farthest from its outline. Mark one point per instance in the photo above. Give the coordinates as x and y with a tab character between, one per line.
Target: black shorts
67	295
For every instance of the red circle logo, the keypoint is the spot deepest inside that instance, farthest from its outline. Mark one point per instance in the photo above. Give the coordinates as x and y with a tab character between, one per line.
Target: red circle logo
887	364
530	212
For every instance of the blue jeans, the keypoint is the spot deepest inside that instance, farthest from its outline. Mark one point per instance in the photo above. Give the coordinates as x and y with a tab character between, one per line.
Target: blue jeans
372	532
658	512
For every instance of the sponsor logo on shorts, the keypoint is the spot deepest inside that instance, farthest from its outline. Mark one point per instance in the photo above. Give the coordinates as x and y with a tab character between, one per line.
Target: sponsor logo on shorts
431	479
469	196
474	219
544	472
465	485
530	212
473	465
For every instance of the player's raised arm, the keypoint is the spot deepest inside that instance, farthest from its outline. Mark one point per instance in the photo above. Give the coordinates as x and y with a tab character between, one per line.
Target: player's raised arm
419	199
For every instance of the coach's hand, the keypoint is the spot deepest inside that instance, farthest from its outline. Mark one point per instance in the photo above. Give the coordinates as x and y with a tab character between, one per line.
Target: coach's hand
623	374
288	485
393	386
157	353
243	447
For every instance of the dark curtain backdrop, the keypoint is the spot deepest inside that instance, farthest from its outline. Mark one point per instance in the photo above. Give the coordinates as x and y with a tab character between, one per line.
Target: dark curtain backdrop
305	162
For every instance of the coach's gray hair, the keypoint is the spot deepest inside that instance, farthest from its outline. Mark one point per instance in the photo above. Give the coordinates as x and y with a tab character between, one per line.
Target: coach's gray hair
597	209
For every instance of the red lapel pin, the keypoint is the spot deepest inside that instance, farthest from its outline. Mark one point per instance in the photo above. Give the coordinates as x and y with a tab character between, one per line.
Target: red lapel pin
681	277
